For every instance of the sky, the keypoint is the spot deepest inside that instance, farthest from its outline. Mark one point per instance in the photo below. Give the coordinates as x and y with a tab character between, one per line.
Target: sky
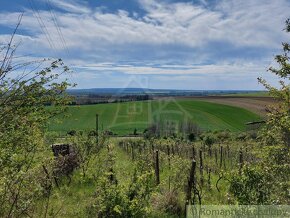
163	44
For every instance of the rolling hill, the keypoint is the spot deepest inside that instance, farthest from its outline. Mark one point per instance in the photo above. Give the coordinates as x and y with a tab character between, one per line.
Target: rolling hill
123	118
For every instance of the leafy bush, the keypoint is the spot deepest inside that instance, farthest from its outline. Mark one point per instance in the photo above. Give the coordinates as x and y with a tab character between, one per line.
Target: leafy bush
72	132
191	137
251	187
114	200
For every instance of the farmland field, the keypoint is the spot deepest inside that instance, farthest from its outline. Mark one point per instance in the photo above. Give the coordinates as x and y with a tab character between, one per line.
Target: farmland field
255	104
251	94
123	118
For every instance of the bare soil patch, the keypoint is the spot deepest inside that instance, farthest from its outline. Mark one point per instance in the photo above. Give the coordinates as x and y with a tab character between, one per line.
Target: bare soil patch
255	104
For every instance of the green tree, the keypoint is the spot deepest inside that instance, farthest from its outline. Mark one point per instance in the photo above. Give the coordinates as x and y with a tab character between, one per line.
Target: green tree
25	93
268	181
278	123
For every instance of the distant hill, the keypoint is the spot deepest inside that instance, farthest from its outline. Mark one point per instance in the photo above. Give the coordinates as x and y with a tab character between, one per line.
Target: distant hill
158	92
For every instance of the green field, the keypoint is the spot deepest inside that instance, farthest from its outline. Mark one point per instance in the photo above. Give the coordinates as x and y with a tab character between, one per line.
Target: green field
123	118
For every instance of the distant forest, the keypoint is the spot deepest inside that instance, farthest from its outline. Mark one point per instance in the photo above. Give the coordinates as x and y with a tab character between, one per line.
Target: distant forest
103	99
113	95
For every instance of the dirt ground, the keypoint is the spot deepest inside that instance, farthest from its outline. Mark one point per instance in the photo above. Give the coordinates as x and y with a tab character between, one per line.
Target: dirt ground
254	104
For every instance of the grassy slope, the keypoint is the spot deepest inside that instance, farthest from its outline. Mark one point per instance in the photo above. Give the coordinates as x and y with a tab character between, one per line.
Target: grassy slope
122	118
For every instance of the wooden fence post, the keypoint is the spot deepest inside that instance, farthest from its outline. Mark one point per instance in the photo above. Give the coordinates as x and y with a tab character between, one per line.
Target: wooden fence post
191	183
208	179
169	165
241	161
221	156
168	155
209	150
144	146
97	129
216	156
132	151
201	167
157	167
177	149
193	152
186	153
172	149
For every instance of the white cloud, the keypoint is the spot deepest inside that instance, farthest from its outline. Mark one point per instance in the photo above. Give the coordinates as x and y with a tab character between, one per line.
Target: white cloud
217	69
94	35
73	6
186	24
243	23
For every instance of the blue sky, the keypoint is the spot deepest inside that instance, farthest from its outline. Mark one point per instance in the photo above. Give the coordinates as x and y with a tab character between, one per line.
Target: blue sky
198	44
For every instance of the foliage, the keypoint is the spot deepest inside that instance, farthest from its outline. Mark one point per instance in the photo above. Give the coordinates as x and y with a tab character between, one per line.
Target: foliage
251	187
277	130
24	93
168	202
114	200
135	132
64	165
209	140
27	167
191	137
86	148
268	181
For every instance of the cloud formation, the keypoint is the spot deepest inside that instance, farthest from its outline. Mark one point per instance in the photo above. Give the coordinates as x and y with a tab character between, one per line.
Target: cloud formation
229	38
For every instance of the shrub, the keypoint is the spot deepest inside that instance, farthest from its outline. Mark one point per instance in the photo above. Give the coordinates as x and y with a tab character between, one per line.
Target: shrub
92	133
64	165
251	187
114	200
72	132
191	137
168	202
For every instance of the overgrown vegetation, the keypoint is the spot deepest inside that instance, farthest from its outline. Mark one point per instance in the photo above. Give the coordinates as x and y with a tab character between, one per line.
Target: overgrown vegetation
23	114
267	182
91	174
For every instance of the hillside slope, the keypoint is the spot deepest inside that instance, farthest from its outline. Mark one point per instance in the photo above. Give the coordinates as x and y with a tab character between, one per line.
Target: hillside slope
123	118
